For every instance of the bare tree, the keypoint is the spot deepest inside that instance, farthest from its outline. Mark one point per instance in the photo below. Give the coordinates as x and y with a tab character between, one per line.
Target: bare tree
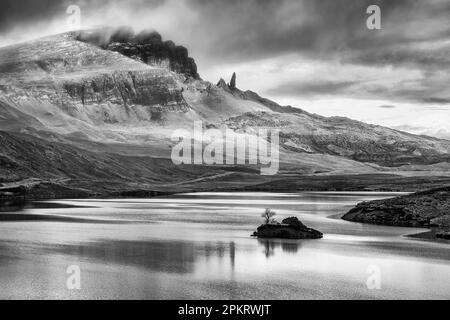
268	215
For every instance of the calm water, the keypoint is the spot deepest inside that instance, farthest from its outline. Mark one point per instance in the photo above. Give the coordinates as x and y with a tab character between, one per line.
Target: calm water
199	247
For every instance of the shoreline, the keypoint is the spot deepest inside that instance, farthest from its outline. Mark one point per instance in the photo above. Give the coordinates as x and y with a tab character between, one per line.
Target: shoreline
425	209
34	189
429	236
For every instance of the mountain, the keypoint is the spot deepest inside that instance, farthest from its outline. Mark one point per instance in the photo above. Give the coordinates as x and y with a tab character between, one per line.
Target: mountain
94	111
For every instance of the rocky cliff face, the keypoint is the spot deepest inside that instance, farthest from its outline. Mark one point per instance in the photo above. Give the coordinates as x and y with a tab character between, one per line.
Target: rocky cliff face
156	92
147	47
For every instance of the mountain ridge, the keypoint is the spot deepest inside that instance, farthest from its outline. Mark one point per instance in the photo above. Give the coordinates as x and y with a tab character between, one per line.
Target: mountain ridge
102	98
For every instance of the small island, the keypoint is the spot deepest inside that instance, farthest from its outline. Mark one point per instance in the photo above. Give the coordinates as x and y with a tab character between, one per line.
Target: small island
290	228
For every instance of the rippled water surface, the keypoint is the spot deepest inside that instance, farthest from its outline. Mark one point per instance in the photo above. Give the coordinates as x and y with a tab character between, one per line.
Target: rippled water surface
198	246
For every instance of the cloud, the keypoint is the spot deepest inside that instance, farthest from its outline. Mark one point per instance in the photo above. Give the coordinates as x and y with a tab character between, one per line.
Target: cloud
311	88
406	61
434	100
238	30
13	13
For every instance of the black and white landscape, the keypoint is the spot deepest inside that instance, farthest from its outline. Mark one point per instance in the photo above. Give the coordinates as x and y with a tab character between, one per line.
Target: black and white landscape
95	206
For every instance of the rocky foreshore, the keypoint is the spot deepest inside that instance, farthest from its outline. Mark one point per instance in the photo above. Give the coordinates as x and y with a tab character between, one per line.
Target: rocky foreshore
426	209
290	228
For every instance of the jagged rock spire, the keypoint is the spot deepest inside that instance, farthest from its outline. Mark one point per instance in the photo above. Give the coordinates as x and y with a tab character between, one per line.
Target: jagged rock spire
233	81
222	84
228	87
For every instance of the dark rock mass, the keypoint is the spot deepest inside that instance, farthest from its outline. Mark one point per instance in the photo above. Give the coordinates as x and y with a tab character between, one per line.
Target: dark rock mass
290	228
145	46
421	209
444	235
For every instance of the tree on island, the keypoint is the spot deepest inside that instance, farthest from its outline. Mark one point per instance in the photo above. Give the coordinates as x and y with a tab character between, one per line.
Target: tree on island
268	216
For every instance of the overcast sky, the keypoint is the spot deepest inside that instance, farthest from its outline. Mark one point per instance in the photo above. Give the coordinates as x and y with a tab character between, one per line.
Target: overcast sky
314	54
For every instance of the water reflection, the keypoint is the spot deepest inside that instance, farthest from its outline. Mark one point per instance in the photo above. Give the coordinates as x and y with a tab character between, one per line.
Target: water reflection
19	205
178	248
12	205
177	257
271	245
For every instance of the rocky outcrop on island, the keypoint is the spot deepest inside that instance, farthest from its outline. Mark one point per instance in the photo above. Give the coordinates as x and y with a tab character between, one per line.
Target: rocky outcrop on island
290	228
427	209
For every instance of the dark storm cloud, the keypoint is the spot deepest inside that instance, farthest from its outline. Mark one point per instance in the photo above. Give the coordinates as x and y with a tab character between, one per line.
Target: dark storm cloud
220	32
419	91
435	100
238	30
256	28
311	88
16	12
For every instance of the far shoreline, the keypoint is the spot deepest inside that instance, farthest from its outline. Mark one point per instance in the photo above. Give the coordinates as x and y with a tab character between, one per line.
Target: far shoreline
140	194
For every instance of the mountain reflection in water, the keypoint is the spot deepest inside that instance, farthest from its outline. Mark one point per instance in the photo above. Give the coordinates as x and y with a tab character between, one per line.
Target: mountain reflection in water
198	246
